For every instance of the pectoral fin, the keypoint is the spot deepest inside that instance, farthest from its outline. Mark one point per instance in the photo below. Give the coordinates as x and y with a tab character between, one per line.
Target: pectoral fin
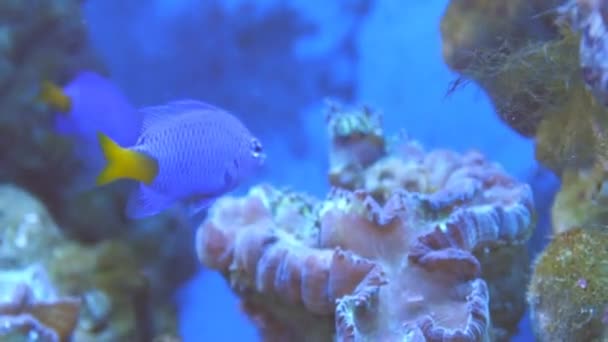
145	202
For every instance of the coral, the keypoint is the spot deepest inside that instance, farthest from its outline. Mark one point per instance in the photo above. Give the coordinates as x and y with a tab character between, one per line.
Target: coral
38	41
567	294
392	258
480	35
589	18
533	74
582	200
29	307
357	141
565	139
47	41
470	25
124	292
116	291
27	229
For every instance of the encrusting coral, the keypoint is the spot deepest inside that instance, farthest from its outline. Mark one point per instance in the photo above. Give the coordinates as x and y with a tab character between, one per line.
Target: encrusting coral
30	307
488	41
589	18
536	62
39	41
396	253
568	294
48	41
552	85
581	201
117	291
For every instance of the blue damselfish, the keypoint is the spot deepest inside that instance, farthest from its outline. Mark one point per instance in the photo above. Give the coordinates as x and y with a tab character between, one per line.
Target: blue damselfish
188	152
88	104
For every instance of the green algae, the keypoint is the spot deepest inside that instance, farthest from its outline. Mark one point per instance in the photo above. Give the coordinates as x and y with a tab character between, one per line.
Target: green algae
568	293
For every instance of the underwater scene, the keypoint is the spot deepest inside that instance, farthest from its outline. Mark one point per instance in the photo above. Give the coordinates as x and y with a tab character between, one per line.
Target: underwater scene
303	170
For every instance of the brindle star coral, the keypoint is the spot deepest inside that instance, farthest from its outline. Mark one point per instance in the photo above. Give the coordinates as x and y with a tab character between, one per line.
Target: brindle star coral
385	260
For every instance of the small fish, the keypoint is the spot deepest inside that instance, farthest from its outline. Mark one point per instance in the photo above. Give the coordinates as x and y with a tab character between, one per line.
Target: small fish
188	152
89	104
53	95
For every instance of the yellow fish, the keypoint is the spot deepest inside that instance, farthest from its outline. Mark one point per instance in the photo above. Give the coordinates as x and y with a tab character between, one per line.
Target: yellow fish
55	97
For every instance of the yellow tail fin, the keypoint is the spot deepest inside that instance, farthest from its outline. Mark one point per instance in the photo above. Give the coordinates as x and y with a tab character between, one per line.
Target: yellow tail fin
123	163
54	97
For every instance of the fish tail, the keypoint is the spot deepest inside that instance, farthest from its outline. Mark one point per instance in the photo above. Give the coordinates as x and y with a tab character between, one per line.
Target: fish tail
124	163
55	97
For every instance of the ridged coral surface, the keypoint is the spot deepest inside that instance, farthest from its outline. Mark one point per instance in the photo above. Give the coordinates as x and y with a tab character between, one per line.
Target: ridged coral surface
397	256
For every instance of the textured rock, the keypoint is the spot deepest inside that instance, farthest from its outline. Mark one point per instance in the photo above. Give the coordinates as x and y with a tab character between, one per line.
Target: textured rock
30	306
567	294
120	295
589	18
537	61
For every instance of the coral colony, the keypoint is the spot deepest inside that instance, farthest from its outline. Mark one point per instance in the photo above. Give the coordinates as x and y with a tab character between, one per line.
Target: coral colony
398	256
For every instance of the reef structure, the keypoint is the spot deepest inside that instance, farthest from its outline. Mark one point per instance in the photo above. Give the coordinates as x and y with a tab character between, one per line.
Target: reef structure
542	64
30	308
568	292
588	17
56	288
415	245
39	41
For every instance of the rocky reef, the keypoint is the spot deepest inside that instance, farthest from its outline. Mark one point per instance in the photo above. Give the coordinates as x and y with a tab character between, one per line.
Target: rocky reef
492	43
39	41
538	70
56	287
543	64
567	293
581	201
409	245
588	17
122	272
30	307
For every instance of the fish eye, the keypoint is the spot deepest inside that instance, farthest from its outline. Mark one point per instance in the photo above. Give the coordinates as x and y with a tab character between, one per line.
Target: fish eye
256	148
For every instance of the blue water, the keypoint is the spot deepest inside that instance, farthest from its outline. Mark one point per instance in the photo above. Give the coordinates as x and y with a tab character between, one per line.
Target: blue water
398	68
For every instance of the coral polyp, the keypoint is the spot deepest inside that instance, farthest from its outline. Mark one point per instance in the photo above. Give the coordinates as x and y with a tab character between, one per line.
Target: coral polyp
357	142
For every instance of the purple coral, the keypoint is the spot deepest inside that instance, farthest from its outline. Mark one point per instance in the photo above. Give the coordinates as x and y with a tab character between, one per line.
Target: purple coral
394	259
589	17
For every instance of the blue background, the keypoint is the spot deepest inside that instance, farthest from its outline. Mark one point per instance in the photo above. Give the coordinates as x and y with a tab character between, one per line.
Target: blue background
162	50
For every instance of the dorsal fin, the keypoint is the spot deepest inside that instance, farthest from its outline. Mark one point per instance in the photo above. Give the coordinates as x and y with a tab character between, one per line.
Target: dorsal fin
154	114
188	104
